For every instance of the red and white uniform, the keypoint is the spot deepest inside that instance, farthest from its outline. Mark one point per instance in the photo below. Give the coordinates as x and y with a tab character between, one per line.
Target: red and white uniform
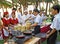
13	21
6	22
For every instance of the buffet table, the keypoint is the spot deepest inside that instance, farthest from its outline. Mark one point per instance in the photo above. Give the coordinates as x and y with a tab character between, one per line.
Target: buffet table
34	40
29	39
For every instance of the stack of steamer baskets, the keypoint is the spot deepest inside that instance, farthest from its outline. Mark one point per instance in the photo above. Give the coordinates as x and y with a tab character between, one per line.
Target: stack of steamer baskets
23	28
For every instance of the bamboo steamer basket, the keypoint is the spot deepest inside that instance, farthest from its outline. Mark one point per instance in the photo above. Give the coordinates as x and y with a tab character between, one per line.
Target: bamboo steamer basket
23	28
28	25
17	27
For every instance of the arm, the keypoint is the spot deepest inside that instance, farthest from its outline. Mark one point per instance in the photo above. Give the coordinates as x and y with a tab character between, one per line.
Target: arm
53	30
37	20
33	25
27	18
48	32
53	27
6	28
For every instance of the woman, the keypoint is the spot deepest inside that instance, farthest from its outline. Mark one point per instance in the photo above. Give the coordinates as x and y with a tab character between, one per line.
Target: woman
5	19
13	19
6	23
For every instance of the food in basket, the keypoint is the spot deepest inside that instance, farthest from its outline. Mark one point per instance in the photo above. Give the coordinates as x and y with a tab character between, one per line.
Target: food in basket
17	27
28	25
23	28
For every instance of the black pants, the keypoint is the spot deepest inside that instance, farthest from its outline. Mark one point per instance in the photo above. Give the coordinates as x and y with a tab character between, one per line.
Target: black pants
36	30
52	38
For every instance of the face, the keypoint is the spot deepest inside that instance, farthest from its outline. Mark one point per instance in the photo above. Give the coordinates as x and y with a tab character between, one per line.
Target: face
54	12
35	13
20	10
7	16
13	15
25	13
30	12
13	10
40	13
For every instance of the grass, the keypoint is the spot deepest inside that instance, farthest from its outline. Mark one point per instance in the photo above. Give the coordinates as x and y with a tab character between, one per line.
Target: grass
44	42
58	37
1	41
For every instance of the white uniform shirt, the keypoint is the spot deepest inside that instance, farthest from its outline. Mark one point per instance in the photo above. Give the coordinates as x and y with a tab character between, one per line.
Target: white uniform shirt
56	22
31	19
19	17
43	17
38	19
24	17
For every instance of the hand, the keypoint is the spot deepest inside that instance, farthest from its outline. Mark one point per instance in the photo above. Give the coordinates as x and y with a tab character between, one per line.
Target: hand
47	36
8	30
9	25
48	32
31	26
30	17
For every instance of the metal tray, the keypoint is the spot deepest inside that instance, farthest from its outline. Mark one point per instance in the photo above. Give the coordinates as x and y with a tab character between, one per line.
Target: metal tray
41	35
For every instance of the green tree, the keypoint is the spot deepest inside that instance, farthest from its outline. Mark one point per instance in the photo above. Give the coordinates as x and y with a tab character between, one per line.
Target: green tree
55	2
47	2
5	4
14	3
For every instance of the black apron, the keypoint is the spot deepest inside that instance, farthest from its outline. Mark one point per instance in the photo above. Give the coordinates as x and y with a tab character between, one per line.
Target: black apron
36	29
52	38
59	32
52	18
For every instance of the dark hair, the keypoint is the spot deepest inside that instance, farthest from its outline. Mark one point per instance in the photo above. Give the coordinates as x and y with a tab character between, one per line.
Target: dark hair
5	13
56	7
13	13
36	10
14	9
19	8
